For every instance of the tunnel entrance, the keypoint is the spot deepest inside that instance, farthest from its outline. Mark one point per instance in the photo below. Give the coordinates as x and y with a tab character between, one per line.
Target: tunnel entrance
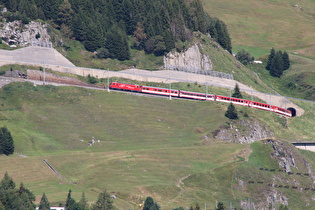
293	111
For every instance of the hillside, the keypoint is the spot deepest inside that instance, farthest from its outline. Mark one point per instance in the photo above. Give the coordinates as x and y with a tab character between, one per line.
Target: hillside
143	150
179	152
257	26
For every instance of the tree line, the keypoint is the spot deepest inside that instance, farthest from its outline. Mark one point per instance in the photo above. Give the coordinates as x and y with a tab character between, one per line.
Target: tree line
22	198
107	26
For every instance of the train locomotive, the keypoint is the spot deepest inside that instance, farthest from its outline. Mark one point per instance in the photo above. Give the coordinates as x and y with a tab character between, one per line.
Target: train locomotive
198	96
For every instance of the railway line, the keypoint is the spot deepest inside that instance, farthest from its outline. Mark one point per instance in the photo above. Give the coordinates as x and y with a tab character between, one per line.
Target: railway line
50	58
200	96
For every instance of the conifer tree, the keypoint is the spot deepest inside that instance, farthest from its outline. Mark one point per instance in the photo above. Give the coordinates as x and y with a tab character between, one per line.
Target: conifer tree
44	203
286	61
270	58
220	206
231	112
276	67
148	203
83	202
65	14
6	142
69	200
223	36
104	202
7	182
237	93
12	198
26	198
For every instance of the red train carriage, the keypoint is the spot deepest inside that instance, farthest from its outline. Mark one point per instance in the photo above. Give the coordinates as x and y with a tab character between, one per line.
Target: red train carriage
159	91
261	106
282	111
237	101
192	95
122	86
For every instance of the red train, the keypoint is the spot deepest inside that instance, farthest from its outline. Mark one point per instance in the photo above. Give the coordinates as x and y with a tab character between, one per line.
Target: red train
198	96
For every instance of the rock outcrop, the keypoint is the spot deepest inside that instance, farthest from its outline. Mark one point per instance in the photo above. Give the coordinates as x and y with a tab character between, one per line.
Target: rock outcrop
18	34
191	59
244	131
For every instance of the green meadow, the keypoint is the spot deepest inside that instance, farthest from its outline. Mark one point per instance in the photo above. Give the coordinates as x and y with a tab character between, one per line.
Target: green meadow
147	146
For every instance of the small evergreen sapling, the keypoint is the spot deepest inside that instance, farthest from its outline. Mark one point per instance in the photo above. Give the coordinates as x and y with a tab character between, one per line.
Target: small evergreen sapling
237	93
231	112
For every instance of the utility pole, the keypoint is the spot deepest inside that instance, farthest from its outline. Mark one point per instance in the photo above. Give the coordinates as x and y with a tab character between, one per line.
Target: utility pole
206	90
44	76
108	81
169	78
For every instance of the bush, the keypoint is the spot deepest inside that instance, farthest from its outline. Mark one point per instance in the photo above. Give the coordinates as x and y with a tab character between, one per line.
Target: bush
92	80
244	57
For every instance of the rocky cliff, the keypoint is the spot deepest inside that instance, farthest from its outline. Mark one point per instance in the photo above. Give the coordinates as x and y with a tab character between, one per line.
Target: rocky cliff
191	59
18	34
243	131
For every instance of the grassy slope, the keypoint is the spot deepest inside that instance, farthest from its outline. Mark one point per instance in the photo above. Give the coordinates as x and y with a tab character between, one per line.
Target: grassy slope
266	24
257	26
147	144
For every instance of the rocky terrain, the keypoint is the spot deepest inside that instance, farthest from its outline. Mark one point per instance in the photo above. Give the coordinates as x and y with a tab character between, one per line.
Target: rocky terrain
191	59
17	34
244	131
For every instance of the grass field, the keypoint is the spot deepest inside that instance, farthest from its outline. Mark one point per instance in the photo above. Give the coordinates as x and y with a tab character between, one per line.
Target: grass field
258	26
147	145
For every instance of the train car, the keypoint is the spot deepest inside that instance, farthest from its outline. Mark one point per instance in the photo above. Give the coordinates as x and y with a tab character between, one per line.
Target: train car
192	95
122	86
282	111
238	101
159	91
263	106
223	99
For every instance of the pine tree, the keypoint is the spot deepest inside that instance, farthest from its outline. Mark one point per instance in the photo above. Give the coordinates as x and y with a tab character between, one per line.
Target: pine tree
83	202
286	61
7	182
270	58
276	67
148	203
231	112
44	203
220	206
65	14
26	198
104	202
69	200
237	93
6	142
223	36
